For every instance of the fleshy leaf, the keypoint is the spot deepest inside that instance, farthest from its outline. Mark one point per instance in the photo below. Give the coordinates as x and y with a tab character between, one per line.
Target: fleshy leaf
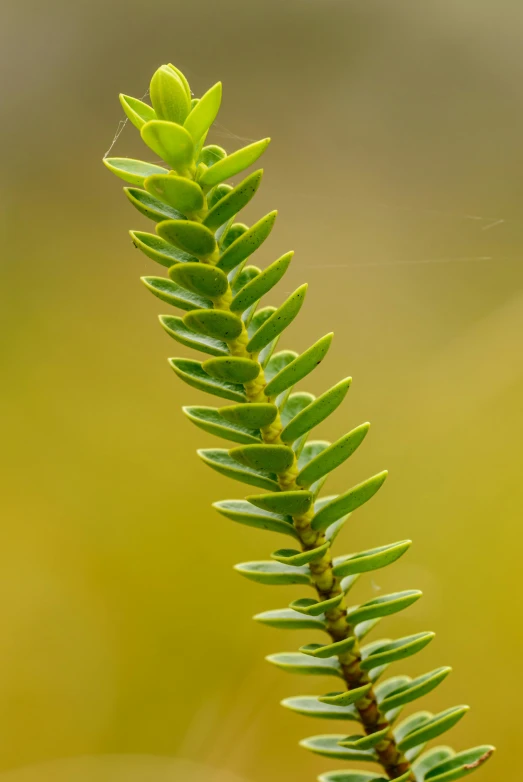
294	662
385	605
346	698
278	321
245	513
234	369
460	765
171	293
332	456
219	460
297	558
189	236
433	727
328	746
295	503
169	96
310	706
232	164
273	573
372	559
159	250
246	243
171	142
149	206
300	367
138	112
329	650
133	171
412	690
210	420
233	202
348	502
365	742
312	607
200	278
359	776
181	193
433	757
253	415
192	373
276	458
277	360
252	291
385	652
177	329
204	113
244	276
294	405
287	619
211	154
219	324
316	412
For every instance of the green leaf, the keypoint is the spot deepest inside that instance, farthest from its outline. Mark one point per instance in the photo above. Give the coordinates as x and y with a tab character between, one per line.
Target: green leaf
171	293
372	559
261	284
192	373
276	458
176	328
204	113
348	502
181	193
133	171
211	154
433	727
245	275
273	573
234	369
171	142
216	194
159	250
412	690
253	415
333	456
328	746
277	360
245	513
293	503
232	164
294	662
311	607
296	558
294	405
362	629
365	742
233	202
200	278
301	367
278	321
219	460
385	605
169	95
359	776
247	242
346	698
232	233
316	412
460	765
287	619
188	236
385	652
138	112
150	207
430	759
210	420
310	706
329	650
219	324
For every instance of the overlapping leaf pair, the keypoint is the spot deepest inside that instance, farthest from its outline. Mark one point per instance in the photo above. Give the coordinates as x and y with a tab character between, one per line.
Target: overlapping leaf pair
269	424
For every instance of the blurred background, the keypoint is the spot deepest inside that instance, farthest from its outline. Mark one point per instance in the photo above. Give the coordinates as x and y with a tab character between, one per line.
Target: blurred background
397	168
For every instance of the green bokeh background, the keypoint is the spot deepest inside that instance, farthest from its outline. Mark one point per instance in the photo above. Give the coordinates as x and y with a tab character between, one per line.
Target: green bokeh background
397	169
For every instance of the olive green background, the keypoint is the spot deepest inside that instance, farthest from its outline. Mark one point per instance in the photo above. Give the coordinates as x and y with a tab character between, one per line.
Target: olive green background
397	168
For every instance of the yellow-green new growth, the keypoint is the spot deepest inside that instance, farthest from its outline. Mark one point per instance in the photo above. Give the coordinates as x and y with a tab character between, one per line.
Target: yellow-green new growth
206	254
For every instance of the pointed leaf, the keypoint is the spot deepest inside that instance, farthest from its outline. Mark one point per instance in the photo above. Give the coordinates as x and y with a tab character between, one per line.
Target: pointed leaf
233	202
278	321
294	662
210	420
383	652
316	412
234	369
192	373
328	746
332	456
296	558
245	513
253	415
181	193
365	742
433	727
276	458
149	206
219	460
159	250
412	690
247	242
133	171
430	759
372	559
171	293
310	706
200	278
312	607
261	284
329	650
385	605
411	723
219	324
176	328
294	503
348	502
301	367
188	236
346	698
287	619
460	765
273	573
169	96
294	405
204	113
138	112
171	142
232	164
